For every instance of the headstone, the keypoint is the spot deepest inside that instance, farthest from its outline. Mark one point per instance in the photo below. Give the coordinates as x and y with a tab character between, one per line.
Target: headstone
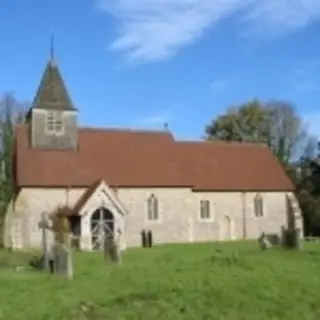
63	263
149	239
264	242
111	250
44	226
297	239
291	238
144	238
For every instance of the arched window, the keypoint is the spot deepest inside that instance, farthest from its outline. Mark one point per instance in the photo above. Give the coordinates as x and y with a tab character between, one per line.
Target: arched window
258	206
153	208
205	213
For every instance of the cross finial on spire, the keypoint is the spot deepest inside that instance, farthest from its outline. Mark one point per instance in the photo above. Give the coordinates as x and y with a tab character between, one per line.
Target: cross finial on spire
52	48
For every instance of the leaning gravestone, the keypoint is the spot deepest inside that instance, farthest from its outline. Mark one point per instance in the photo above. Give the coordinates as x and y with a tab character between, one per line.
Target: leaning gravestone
264	242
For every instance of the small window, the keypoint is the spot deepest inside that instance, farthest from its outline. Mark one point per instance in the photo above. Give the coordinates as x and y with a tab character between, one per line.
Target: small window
54	124
153	208
258	206
205	213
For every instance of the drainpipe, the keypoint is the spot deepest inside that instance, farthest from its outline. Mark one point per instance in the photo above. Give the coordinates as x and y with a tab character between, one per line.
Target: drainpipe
68	195
244	215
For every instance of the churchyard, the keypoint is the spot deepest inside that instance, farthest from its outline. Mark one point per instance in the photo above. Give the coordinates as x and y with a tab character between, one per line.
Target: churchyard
235	280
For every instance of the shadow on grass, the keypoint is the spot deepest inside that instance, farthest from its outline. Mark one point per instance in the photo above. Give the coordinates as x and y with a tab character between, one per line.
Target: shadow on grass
36	263
21	260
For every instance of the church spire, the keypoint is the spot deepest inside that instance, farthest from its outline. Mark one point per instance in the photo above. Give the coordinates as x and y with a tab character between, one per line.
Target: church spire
52	93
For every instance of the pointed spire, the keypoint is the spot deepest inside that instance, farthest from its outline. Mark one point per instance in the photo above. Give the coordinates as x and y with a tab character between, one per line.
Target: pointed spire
52	93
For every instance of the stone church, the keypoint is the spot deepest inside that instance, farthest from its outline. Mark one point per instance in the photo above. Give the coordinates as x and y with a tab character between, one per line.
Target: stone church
128	181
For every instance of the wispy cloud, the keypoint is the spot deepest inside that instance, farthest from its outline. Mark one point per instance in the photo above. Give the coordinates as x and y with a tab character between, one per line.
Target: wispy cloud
219	85
152	30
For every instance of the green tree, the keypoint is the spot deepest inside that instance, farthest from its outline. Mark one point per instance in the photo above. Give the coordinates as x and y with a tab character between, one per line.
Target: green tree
242	123
307	179
275	123
12	112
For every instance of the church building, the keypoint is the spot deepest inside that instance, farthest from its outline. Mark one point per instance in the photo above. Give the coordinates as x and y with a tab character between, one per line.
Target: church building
130	181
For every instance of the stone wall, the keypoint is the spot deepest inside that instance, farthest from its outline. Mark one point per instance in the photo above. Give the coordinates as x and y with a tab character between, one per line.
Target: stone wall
67	140
179	214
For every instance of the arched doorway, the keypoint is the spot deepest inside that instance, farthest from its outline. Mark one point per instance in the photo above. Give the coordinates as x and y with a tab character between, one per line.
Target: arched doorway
102	225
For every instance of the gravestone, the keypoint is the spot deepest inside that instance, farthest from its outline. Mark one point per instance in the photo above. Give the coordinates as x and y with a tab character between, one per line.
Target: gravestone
149	239
264	242
44	226
57	258
291	238
111	250
144	238
63	264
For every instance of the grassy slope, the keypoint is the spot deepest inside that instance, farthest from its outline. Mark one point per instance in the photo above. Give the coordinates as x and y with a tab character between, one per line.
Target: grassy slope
172	282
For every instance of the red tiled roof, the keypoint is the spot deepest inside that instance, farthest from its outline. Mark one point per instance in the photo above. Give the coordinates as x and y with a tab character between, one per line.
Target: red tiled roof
125	158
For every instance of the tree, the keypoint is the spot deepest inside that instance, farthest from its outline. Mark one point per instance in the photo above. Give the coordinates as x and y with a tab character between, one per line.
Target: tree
12	112
243	123
307	180
275	123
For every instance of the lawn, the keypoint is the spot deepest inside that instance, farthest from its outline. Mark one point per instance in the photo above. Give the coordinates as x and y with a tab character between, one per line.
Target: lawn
201	281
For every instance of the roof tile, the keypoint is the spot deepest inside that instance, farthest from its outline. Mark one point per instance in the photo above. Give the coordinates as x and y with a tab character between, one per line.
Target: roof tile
128	158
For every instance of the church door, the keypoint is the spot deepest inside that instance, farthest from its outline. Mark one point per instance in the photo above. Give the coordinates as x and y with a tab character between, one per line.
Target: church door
102	225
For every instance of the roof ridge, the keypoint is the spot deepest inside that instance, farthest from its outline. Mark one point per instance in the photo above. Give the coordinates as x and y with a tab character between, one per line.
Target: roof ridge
225	143
119	129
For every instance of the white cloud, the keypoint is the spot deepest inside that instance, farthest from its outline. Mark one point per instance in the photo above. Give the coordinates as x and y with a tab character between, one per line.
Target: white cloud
152	30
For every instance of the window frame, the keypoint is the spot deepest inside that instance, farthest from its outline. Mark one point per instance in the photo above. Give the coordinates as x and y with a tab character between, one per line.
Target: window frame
54	123
152	209
205	214
258	206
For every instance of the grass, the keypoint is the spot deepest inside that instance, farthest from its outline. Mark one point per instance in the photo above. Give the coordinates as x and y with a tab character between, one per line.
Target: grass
202	281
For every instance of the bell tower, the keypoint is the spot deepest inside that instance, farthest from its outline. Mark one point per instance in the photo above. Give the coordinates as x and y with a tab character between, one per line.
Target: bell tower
52	117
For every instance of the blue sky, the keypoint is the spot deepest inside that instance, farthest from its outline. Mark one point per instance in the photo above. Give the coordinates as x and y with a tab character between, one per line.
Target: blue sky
140	63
